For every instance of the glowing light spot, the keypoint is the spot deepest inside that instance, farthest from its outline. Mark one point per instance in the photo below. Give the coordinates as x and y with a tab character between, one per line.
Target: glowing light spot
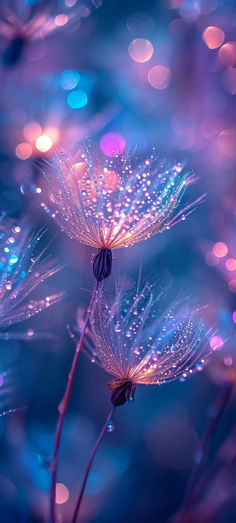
43	143
140	50
213	37
17	229
220	249
228	361
159	77
69	79
30	333
61	20
230	264
77	99
62	493
31	131
234	316
216	343
227	54
23	151
112	144
110	426
13	259
232	285
38	190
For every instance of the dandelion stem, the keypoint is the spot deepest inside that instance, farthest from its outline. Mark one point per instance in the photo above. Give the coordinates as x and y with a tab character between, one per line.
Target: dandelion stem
215	414
95	448
62	408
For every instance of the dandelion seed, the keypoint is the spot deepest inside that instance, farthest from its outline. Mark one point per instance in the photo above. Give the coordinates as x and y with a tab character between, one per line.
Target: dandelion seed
165	343
111	203
152	346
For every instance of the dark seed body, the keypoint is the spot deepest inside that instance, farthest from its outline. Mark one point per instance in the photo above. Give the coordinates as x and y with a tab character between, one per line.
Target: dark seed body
121	393
14	50
102	264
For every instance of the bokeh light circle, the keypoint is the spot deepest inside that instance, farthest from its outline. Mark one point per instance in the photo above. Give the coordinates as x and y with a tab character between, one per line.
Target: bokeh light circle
227	54
213	37
216	343
159	76
62	493
69	79
77	99
112	144
220	249
140	50
23	151
44	143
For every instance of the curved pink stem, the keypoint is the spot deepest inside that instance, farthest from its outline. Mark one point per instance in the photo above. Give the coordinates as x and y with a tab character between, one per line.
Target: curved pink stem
95	448
62	408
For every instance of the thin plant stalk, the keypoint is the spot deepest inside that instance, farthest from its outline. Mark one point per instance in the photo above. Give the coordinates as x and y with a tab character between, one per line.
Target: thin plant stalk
216	412
62	408
90	462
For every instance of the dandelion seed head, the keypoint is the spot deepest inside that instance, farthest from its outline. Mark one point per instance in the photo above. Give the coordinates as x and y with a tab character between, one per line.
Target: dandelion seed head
115	202
141	338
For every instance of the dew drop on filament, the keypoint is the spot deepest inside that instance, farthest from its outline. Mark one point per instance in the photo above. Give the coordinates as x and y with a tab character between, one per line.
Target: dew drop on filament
110	426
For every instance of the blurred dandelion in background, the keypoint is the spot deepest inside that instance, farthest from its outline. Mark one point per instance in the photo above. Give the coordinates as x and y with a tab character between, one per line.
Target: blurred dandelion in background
22	268
22	22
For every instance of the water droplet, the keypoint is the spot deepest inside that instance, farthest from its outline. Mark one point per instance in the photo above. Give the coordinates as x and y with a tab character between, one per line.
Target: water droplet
110	426
117	327
199	366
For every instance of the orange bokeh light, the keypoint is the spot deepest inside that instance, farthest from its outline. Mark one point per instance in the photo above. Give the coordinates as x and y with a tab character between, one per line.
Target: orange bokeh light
23	151
213	37
140	50
159	76
227	54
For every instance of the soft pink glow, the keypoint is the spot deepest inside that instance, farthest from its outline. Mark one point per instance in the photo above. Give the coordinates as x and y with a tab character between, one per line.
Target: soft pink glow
216	343
230	264
112	144
220	249
62	493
